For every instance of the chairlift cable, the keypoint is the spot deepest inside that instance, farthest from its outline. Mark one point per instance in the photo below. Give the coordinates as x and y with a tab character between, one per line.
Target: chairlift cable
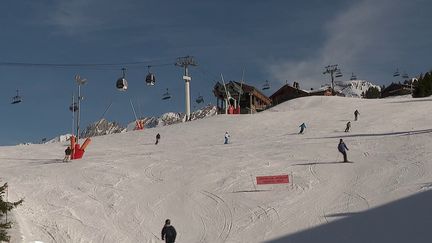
241	85
73	114
133	109
208	74
226	92
106	110
91	66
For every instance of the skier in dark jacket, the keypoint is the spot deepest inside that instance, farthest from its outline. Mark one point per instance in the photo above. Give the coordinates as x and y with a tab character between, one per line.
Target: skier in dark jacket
302	128
356	113
348	126
157	138
343	148
168	232
68	152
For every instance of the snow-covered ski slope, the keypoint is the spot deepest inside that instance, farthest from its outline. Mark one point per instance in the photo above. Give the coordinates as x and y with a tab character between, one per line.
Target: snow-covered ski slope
125	186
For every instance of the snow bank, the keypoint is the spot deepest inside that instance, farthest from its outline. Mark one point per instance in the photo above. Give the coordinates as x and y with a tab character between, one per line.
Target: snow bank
126	186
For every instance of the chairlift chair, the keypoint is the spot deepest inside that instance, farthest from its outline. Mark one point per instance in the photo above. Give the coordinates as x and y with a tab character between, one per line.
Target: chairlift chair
338	73
73	107
16	99
166	95
266	85
353	77
396	74
405	76
199	99
150	78
122	84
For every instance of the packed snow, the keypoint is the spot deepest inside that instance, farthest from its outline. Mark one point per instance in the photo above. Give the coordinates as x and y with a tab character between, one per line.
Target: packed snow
126	186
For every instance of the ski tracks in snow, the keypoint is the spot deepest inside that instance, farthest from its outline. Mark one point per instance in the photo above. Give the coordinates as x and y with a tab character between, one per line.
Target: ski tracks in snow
355	199
149	172
224	210
268	211
313	172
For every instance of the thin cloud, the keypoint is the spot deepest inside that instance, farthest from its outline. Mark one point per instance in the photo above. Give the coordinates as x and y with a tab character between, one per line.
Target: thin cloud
71	17
351	36
82	16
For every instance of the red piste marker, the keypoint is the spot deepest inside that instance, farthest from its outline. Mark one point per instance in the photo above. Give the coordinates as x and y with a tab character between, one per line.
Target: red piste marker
277	179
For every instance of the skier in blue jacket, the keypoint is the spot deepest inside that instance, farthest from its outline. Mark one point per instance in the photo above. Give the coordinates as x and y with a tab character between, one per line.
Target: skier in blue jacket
302	127
343	148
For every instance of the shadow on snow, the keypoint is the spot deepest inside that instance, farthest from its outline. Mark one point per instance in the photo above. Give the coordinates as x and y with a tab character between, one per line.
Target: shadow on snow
325	163
409	101
405	220
404	133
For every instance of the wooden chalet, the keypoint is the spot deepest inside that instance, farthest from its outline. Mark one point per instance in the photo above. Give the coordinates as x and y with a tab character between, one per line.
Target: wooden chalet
242	98
323	92
396	89
287	92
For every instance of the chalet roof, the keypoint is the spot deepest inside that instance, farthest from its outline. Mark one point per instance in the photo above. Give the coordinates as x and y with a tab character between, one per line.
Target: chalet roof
397	86
286	88
236	88
252	90
320	90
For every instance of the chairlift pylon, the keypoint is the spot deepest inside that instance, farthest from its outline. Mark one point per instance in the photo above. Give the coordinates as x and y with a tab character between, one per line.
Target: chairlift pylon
16	99
121	82
266	85
150	78
353	77
166	95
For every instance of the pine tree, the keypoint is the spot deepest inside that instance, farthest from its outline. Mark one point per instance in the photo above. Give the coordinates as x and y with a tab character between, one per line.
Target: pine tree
372	93
423	86
428	83
4	208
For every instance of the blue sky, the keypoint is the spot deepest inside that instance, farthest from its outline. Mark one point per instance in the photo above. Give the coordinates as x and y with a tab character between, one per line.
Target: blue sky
275	40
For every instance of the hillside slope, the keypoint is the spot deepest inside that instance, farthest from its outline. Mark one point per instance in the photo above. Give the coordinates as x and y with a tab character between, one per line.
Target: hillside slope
125	186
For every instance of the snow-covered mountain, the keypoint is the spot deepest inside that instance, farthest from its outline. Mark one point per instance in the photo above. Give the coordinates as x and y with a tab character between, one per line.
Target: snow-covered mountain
352	88
173	118
104	127
61	138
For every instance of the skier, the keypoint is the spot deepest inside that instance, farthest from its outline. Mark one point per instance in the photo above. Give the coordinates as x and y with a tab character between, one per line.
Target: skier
343	148
302	127
356	113
168	232
157	139
227	136
68	152
348	126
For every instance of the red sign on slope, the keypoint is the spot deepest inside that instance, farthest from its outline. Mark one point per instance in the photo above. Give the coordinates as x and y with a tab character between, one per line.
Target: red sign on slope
277	179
